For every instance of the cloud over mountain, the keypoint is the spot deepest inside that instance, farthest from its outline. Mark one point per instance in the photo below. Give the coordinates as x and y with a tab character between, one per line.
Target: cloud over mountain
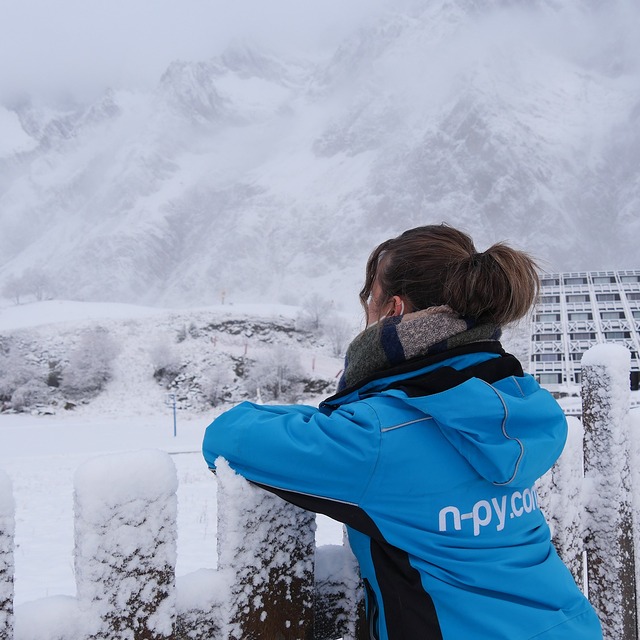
269	175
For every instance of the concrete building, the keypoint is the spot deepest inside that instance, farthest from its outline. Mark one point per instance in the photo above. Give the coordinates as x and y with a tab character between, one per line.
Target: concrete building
576	311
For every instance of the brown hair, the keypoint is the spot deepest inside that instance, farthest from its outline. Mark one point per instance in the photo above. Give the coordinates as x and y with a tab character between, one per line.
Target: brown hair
437	264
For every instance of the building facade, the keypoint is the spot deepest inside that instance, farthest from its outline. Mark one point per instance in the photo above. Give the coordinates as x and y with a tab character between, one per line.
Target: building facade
576	311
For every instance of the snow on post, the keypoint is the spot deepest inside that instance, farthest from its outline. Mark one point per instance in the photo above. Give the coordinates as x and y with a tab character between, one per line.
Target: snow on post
125	545
266	547
339	602
200	605
608	517
7	528
561	496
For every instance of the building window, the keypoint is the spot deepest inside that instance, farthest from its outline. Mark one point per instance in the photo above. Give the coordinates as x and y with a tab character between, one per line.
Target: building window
603	279
633	296
577	355
636	313
616	335
578	298
550	378
629	278
549	299
607	297
548	317
550	282
612	315
547	357
575	281
583	336
580	316
546	337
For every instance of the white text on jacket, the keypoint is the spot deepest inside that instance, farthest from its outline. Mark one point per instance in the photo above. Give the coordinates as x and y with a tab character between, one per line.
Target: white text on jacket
485	512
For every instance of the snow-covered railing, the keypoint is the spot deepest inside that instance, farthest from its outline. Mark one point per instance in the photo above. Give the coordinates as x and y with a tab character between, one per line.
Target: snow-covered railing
271	581
592	496
7	523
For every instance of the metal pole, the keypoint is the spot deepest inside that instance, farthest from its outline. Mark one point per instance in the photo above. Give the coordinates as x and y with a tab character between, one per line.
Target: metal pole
175	425
170	401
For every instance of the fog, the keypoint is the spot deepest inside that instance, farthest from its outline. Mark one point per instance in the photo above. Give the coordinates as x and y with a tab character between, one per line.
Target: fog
74	49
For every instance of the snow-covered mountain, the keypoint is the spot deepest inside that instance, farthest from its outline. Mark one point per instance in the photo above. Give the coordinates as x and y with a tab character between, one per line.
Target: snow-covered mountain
261	176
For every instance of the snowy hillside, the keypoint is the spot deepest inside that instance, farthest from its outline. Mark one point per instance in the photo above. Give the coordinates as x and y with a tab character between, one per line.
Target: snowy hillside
248	174
119	359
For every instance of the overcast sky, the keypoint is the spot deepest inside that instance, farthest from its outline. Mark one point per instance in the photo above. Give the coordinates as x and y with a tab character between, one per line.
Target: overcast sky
79	47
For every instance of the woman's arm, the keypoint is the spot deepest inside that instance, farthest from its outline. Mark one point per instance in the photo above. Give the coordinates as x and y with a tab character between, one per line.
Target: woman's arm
299	449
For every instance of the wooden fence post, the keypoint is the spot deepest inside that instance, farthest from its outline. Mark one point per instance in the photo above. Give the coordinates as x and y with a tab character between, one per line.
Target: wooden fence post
339	596
608	517
562	500
7	529
266	547
125	545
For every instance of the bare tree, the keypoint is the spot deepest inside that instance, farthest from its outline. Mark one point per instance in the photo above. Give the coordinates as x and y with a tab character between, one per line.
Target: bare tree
13	289
277	375
339	332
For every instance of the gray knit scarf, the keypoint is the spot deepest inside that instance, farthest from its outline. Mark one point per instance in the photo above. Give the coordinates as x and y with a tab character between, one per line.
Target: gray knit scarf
400	338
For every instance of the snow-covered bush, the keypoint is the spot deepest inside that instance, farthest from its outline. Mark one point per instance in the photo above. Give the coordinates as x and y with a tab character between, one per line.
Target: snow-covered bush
276	375
31	393
15	371
215	384
90	364
165	362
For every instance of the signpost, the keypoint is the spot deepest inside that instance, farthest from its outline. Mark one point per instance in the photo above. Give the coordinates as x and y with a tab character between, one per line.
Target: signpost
170	401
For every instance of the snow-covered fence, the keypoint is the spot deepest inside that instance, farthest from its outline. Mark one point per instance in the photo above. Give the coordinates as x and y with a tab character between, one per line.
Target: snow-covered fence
125	554
280	585
611	572
125	545
339	605
266	546
590	495
561	494
7	523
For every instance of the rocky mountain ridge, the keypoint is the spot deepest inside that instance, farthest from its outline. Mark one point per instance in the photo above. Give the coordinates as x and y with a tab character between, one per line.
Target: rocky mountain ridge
257	175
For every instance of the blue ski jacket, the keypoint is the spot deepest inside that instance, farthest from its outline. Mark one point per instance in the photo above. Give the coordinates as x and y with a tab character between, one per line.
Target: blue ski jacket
432	467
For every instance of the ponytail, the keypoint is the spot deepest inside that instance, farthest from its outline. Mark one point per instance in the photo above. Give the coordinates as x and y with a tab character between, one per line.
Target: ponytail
499	285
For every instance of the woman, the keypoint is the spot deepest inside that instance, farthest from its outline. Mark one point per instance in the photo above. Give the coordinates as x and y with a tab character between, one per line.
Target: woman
430	450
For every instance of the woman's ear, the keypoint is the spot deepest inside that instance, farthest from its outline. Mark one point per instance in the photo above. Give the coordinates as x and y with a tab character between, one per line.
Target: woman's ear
398	306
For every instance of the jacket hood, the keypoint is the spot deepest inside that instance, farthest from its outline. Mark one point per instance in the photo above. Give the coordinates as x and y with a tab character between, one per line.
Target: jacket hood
511	431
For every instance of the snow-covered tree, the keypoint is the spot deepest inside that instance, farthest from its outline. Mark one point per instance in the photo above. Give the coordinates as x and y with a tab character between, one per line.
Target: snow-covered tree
276	375
36	282
339	332
90	364
216	380
13	288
